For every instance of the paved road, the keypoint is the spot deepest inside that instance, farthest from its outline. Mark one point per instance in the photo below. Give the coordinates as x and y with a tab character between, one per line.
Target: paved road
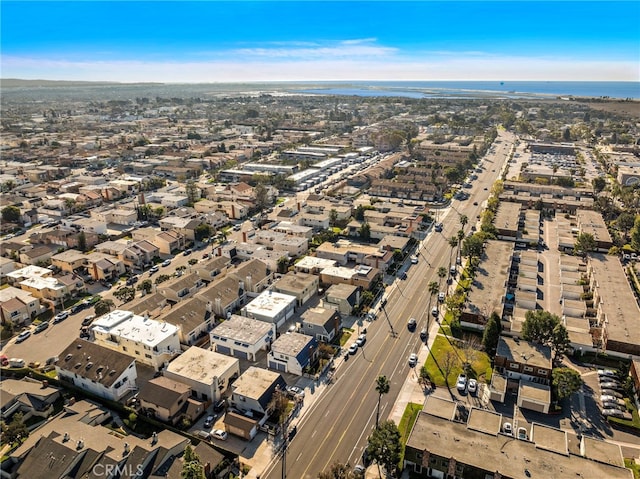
336	427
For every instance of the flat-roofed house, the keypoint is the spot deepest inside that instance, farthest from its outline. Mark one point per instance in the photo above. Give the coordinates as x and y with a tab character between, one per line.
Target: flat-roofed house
342	297
301	285
252	393
527	367
207	373
151	342
70	261
275	308
101	371
292	353
242	337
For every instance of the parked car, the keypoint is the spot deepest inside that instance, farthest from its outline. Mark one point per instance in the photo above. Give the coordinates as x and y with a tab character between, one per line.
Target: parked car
186	252
612	412
611	392
607	398
441	297
611	385
473	386
359	469
607	373
403	275
166	262
411	324
88	320
41	327
414	260
522	433
208	422
507	428
220	405
295	391
413	360
461	383
23	336
77	308
353	348
153	270
434	311
132	280
220	434
613	405
203	435
424	334
361	340
61	316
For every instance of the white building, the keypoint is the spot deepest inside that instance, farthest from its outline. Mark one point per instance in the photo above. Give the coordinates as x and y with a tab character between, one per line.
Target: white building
242	337
150	342
207	373
101	371
271	307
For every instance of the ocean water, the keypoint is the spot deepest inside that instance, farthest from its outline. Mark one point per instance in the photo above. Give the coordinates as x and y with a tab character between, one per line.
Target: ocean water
481	89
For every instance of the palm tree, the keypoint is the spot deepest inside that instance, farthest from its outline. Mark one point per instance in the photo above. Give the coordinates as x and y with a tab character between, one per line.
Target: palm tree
464	220
453	242
382	387
434	289
442	273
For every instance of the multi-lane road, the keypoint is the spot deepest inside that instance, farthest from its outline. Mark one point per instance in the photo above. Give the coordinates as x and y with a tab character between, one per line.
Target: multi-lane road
336	427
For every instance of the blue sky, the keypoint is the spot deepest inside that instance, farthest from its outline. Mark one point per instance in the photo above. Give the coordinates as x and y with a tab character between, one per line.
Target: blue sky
209	41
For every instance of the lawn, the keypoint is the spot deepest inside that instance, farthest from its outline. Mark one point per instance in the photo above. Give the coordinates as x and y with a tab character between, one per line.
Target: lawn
443	353
631	464
408	419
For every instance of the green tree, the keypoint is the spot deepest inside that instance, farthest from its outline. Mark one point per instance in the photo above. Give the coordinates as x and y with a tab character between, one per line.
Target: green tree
585	242
566	381
104	306
434	289
464	220
283	264
442	273
192	191
203	230
473	245
11	214
599	184
333	217
262	196
82	241
365	231
192	468
635	234
491	334
382	387
15	431
547	329
125	294
145	286
385	447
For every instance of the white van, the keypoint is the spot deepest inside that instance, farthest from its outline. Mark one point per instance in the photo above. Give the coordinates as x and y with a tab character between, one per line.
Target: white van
16	363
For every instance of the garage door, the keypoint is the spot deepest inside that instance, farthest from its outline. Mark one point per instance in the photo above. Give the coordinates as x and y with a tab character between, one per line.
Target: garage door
532	406
241	355
223	349
277	366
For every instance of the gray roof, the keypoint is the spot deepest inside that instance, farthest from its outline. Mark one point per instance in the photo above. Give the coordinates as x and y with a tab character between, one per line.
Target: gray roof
240	328
162	391
187	315
94	362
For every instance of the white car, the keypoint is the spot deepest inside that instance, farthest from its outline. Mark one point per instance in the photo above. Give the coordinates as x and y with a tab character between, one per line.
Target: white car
612	399
507	428
22	336
606	373
295	391
473	386
612	412
414	260
220	434
361	340
166	262
353	349
441	297
413	360
461	383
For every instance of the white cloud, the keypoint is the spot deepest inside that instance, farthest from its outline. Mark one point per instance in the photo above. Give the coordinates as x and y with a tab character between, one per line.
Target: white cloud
289	68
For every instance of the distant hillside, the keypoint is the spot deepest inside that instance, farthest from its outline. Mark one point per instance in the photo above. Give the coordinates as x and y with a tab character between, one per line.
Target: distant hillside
18	83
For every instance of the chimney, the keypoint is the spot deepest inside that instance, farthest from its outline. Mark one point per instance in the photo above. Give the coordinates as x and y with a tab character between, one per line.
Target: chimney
298	204
244	236
233	211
